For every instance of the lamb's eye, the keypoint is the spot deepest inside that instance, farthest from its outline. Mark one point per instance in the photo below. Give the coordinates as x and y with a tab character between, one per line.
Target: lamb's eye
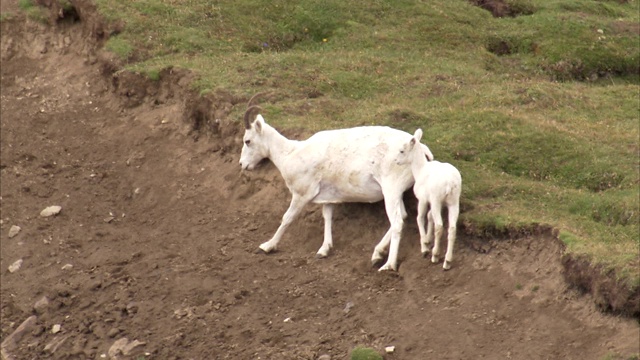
401	151
247	142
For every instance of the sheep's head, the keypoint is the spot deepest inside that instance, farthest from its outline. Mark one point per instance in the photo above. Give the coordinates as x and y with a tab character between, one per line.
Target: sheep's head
254	148
406	152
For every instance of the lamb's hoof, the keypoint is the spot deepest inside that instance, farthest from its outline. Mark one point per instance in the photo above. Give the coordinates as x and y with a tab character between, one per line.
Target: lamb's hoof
447	265
434	259
264	249
321	256
425	254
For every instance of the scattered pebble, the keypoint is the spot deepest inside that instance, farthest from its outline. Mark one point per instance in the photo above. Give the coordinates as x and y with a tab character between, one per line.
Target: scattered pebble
50	211
15	229
55	344
113	332
287	319
324	357
56	328
122	346
347	308
15	266
67	267
41	305
390	349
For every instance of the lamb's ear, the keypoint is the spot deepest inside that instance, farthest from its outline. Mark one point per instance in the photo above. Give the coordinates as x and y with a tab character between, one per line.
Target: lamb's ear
418	135
412	143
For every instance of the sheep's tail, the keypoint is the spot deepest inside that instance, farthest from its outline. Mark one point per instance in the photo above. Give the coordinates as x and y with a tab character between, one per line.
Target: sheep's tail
427	152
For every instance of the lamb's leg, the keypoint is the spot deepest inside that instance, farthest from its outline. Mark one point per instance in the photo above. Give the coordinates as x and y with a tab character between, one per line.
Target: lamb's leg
436	216
422	209
327	244
454	210
297	203
396	213
429	236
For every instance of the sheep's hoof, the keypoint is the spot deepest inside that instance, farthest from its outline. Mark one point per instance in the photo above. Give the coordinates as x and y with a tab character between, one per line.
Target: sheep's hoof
387	267
321	256
447	265
434	259
376	261
425	254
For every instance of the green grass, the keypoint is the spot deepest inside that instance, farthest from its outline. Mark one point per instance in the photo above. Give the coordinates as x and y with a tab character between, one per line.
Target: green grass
32	11
539	112
364	353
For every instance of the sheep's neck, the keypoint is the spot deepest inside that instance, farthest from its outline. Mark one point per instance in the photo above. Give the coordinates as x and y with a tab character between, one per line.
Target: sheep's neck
279	147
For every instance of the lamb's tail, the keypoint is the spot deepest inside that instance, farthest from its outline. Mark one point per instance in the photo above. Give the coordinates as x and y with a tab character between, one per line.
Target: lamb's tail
427	152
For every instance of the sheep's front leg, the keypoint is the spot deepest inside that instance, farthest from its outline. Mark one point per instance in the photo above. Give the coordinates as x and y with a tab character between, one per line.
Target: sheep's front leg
380	250
297	204
327	244
396	213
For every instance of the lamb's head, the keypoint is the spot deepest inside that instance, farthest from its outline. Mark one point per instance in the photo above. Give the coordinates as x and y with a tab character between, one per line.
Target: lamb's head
254	148
408	149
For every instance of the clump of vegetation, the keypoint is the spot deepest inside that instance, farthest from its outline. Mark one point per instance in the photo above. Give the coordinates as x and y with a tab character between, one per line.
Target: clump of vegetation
365	353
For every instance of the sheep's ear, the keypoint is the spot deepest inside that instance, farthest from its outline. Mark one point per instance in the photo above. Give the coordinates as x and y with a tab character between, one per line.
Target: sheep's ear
412	143
258	124
418	135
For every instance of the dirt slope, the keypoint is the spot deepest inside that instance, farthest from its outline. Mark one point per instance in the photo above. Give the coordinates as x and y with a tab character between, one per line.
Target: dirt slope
161	230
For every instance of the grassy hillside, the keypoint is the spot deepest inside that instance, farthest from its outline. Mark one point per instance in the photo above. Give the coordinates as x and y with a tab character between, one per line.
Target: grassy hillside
539	110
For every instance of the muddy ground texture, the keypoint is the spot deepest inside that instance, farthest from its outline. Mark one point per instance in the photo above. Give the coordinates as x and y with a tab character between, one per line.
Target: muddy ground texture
153	255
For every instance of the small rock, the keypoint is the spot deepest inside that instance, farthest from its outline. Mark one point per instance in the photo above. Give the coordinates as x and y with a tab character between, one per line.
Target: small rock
347	308
132	308
122	346
324	357
50	211
15	229
41	305
287	319
55	344
113	332
10	342
109	219
390	349
15	266
67	267
56	328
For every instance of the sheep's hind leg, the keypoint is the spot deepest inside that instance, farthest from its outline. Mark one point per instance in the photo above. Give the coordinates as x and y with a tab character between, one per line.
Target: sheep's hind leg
297	203
327	244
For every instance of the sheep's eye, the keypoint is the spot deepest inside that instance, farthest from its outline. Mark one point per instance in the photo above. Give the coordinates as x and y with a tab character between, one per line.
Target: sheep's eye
247	142
401	151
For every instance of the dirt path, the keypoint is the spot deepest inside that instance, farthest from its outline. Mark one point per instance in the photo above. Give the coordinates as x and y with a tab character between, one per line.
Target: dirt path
160	233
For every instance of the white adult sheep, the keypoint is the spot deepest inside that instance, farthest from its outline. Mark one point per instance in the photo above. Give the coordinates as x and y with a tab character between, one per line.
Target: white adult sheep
334	166
436	184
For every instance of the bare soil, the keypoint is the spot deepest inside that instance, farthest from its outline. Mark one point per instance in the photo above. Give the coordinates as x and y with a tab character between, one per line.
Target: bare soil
158	232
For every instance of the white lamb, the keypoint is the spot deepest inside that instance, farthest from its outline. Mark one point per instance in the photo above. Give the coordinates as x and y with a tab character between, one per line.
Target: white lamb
331	167
436	184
